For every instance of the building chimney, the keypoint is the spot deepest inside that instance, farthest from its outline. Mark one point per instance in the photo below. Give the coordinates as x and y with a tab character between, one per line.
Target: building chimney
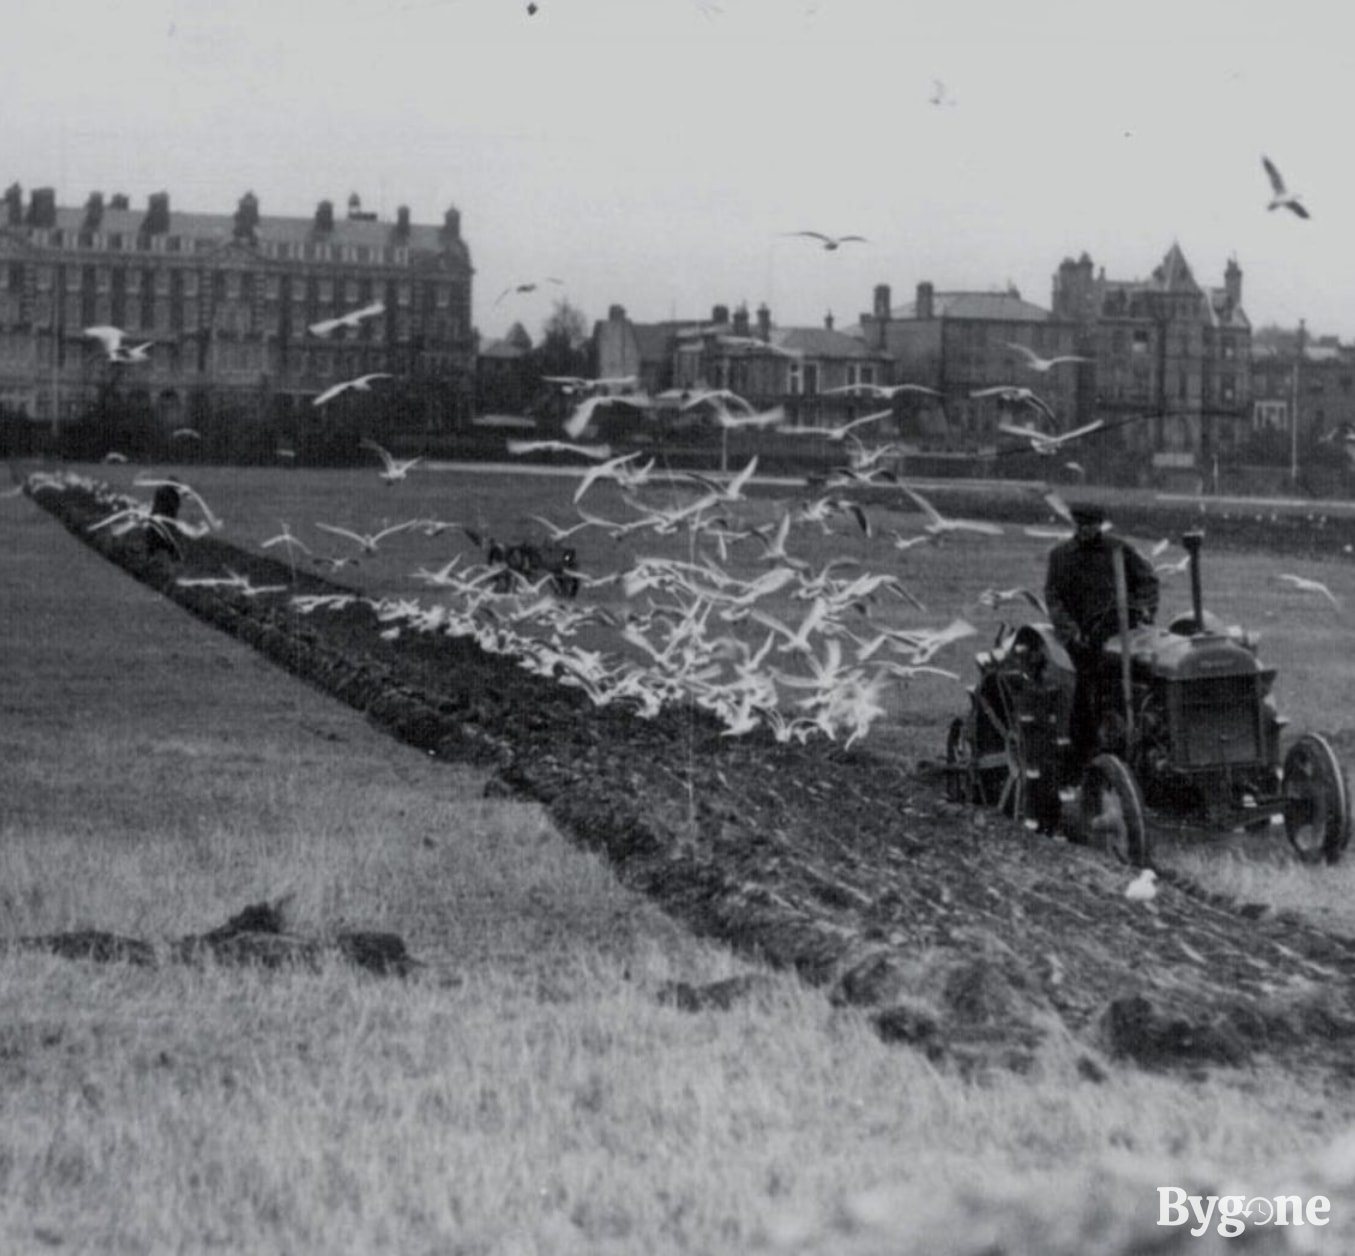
719	314
156	221
42	208
741	321
402	223
764	324
882	302
94	211
324	216
1232	283
354	204
616	313
246	217
828	321
451	223
926	305
119	200
14	205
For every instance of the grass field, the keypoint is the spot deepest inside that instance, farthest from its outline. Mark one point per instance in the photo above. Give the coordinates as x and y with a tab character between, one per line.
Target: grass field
525	1091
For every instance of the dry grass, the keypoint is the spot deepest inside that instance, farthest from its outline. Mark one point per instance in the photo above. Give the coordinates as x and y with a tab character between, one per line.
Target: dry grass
523	1093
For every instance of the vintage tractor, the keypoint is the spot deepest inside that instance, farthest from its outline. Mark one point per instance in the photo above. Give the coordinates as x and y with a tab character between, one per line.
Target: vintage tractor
1186	726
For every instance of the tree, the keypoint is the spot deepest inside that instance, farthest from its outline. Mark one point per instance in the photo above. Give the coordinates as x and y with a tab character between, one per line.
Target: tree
564	342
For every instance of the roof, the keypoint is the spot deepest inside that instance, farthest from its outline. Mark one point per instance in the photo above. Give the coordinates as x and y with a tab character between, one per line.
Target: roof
821	342
502	349
994	306
1173	273
220	228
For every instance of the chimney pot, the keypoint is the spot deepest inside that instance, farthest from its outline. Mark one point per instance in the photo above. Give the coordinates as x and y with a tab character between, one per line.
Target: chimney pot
882	301
926	306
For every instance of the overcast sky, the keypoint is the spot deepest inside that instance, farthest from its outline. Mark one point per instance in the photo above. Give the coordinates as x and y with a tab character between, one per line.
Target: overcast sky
657	153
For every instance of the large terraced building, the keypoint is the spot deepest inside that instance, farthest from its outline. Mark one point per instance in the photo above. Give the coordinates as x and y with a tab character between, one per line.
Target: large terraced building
226	300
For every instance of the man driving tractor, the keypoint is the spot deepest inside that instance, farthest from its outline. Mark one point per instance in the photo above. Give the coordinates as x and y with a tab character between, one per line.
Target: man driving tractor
1080	595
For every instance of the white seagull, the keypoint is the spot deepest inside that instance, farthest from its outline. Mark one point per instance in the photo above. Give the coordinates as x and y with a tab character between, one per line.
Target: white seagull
598	452
1142	888
1281	197
352	319
184	490
1042	365
112	339
879	390
363	383
395	468
285	537
937	523
369	540
1312	586
830	242
1041	442
1011	394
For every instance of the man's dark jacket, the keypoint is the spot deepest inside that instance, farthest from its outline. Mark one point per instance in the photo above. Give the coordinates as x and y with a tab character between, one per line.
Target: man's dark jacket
1080	589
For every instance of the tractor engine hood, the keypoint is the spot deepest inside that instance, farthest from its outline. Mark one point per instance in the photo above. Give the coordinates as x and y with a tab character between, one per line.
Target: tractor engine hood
1171	656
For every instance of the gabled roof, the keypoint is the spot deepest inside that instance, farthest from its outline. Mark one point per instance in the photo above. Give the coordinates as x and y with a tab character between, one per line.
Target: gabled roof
1173	273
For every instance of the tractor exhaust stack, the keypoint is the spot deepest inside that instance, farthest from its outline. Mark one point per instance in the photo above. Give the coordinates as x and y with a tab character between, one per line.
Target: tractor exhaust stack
1193	541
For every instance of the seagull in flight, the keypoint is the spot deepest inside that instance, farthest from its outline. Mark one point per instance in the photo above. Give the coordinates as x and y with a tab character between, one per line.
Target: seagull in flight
1281	197
368	541
830	242
287	538
526	287
112	340
184	490
937	523
1037	363
1011	394
363	383
353	318
1041	442
186	433
1312	586
395	468
598	452
885	391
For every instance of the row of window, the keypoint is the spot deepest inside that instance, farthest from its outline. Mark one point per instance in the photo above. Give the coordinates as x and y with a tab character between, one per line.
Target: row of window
282	250
227	284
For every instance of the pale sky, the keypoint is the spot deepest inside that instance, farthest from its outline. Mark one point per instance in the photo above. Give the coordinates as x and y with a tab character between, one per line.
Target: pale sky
657	153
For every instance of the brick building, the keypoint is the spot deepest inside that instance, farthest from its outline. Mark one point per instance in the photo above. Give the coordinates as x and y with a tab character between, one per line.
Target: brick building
226	300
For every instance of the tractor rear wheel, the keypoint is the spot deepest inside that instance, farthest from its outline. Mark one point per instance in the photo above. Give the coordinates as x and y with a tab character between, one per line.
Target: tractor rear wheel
1316	800
1112	817
960	785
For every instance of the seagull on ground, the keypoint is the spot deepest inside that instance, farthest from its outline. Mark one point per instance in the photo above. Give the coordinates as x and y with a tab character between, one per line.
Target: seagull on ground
937	523
353	318
598	452
395	468
363	383
1036	363
1281	197
1142	888
1312	586
830	242
368	541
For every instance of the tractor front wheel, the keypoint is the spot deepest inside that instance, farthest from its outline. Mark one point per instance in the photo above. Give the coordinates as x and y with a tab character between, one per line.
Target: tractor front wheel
1316	800
1111	806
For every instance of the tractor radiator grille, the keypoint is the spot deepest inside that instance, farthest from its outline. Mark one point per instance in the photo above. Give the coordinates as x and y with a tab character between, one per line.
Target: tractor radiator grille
1220	722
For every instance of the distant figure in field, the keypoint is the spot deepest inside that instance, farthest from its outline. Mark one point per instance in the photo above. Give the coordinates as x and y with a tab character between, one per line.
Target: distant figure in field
161	539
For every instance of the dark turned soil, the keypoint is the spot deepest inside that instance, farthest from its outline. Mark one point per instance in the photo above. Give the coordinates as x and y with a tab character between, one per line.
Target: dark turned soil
958	931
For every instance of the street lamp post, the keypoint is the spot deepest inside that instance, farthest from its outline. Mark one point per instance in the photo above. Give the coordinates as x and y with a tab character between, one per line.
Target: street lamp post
1294	406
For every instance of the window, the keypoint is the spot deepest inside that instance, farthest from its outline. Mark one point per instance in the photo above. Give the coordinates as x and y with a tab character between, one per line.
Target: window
115	241
402	293
1141	341
233	285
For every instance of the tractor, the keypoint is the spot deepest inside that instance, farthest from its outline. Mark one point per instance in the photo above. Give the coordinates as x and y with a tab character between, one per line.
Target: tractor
1186	727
